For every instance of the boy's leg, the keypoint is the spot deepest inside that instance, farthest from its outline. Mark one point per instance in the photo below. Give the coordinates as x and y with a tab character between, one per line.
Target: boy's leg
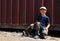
41	30
38	27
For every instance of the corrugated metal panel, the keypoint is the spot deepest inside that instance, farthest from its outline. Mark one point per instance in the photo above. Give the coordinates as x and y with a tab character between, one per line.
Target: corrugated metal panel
16	12
19	12
22	12
3	11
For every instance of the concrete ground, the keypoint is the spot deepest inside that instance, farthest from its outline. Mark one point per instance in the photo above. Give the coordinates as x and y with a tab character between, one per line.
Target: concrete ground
13	36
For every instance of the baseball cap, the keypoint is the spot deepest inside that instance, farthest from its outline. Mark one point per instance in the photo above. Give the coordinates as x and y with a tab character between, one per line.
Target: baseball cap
43	8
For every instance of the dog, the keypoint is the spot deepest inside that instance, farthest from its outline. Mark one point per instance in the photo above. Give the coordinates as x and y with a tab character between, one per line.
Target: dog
33	30
28	31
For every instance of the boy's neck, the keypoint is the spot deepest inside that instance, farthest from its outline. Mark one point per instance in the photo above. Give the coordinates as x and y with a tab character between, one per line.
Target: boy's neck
43	14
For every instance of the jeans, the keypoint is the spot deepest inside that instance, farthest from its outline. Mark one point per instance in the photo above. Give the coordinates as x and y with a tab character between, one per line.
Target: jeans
41	30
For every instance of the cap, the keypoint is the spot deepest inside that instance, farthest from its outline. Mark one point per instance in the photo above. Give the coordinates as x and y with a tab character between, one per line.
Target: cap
43	8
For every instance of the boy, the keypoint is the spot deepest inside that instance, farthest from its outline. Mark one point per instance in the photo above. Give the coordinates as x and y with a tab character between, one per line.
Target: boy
43	22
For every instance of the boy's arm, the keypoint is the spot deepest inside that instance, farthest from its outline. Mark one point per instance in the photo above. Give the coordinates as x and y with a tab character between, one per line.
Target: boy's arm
48	21
48	26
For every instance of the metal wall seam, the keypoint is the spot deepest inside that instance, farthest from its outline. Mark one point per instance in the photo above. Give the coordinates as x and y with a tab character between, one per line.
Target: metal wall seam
52	10
4	13
18	13
42	2
25	11
11	13
0	12
33	9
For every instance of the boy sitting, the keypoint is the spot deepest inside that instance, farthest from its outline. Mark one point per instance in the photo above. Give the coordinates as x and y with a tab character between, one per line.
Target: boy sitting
43	23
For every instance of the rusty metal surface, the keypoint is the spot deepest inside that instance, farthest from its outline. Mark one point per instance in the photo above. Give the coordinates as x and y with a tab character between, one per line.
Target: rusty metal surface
24	12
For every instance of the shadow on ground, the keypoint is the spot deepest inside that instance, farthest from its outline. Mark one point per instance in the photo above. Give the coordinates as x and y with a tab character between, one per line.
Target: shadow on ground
50	33
54	33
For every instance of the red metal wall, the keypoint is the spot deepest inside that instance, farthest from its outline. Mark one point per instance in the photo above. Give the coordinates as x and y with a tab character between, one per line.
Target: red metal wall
16	12
21	12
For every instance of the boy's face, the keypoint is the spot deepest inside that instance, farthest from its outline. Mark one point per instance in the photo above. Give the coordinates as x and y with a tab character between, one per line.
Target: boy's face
43	11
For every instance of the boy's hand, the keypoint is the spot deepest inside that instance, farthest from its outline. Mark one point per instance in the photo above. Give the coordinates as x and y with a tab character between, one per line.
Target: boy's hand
31	24
46	29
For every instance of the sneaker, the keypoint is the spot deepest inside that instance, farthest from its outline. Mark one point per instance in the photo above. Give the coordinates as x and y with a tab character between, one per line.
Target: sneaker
36	37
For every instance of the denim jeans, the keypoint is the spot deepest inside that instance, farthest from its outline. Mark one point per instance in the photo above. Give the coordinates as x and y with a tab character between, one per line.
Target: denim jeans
41	29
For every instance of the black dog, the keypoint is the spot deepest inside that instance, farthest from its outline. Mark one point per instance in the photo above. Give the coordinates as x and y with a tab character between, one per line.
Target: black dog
29	31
